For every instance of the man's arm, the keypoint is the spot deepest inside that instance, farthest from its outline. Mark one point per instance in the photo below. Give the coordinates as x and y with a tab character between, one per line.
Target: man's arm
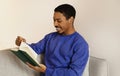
76	66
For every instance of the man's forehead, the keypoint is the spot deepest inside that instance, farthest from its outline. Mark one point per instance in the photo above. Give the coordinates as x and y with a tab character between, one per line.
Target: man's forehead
58	16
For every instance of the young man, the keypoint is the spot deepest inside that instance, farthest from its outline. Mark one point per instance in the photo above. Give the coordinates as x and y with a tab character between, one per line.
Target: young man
66	51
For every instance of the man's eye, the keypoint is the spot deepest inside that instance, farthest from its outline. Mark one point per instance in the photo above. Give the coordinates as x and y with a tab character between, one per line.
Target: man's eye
59	21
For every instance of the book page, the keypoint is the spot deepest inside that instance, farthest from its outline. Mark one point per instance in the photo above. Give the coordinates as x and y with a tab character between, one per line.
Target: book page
28	49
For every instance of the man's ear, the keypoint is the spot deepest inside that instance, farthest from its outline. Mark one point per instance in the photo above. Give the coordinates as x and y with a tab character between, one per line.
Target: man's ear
71	19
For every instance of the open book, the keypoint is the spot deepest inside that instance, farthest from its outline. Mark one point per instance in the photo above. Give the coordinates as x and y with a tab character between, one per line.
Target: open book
25	53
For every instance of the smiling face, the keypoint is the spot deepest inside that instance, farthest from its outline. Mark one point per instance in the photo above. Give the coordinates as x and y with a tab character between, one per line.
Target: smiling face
63	25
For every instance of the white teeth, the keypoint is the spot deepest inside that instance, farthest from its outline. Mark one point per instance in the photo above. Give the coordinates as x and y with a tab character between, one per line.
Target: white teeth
57	29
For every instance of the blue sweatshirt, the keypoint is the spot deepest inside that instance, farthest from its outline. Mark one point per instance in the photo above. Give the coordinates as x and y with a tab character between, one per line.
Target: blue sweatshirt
65	55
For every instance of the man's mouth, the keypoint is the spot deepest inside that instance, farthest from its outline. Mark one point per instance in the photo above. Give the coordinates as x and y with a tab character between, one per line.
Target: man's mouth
58	28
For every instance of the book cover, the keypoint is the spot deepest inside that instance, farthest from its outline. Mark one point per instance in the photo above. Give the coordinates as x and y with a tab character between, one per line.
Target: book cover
25	53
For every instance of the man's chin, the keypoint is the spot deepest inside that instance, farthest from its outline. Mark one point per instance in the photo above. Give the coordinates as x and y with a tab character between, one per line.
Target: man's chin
59	32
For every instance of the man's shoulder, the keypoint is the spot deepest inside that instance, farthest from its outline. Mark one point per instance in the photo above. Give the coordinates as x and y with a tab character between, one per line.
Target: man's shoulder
49	35
80	38
52	33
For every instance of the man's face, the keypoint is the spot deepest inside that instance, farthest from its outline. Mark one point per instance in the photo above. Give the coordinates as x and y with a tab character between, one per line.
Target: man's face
61	24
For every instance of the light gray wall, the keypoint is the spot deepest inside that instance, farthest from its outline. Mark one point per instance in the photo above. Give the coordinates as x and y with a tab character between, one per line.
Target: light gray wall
97	20
100	25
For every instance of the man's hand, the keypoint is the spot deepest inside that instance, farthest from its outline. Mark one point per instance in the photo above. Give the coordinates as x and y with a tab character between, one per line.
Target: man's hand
18	40
42	67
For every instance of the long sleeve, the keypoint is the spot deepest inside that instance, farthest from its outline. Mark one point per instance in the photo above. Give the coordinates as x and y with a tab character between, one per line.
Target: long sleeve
64	55
39	47
76	66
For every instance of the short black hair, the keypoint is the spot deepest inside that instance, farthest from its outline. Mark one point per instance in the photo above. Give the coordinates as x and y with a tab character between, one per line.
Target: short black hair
67	10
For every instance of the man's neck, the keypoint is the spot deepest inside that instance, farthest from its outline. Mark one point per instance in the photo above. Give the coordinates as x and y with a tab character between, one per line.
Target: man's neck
71	31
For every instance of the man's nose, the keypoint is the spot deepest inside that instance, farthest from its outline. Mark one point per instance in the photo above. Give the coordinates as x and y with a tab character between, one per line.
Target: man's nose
55	23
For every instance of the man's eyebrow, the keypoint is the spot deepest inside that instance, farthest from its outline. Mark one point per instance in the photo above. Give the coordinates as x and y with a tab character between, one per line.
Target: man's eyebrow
57	19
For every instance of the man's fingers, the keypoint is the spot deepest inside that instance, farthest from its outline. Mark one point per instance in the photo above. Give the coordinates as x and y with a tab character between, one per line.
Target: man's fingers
19	39
29	65
37	68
